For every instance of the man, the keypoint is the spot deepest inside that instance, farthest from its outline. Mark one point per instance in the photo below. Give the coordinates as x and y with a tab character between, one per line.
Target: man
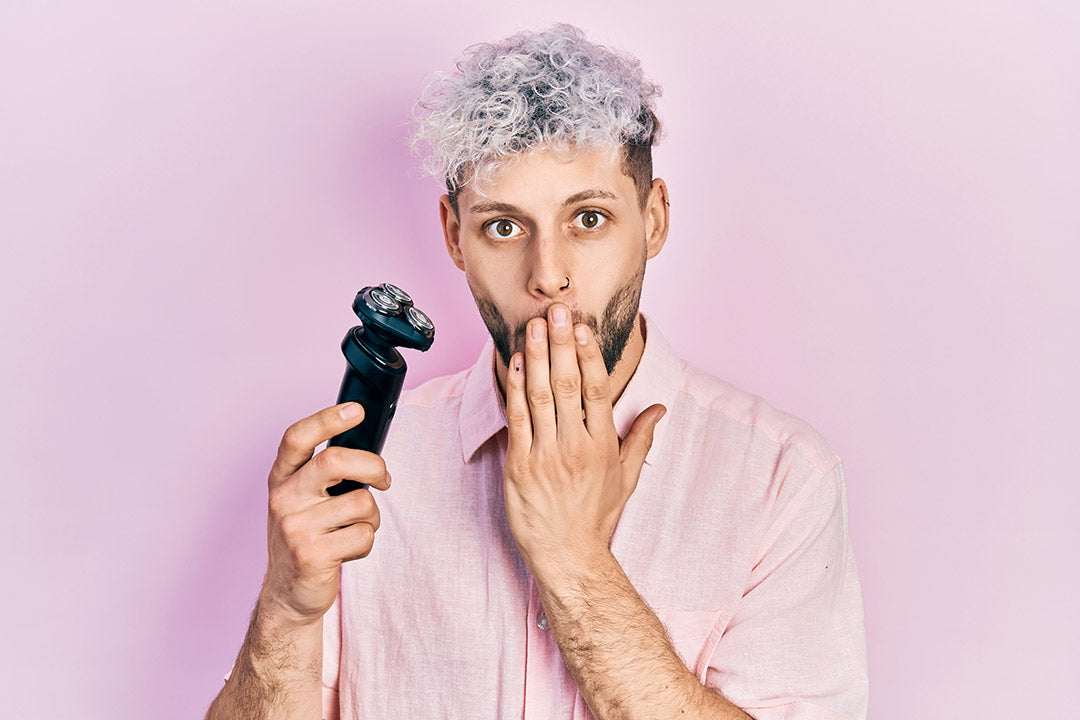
552	547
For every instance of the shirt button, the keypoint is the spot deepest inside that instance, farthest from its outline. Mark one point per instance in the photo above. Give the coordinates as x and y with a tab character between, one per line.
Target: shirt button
541	621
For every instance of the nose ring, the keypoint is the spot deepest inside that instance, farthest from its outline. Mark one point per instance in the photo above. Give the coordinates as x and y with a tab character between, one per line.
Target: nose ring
567	284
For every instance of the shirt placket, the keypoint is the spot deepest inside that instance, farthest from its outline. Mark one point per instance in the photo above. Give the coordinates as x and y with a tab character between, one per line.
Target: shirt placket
543	664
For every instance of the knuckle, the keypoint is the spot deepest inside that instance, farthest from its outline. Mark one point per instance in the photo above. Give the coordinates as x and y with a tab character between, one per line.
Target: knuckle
363	502
517	415
516	466
540	397
595	391
292	530
277	504
365	538
373	519
327	460
293	437
374	471
524	466
566	386
306	555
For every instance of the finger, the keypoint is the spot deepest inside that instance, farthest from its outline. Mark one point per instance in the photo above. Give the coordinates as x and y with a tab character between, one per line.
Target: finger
565	377
350	543
344	510
518	421
537	380
300	440
334	464
635	446
595	383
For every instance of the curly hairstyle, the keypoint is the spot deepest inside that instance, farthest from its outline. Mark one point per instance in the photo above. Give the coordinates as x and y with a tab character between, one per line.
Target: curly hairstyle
530	91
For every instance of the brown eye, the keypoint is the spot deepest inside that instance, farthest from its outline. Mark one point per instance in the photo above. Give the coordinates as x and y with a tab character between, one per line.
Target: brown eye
504	229
591	219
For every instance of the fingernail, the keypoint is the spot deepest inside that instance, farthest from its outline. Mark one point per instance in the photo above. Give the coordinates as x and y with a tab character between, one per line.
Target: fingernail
350	411
560	317
536	332
388	479
581	335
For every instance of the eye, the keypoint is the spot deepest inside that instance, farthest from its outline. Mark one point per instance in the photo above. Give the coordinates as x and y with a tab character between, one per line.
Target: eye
502	229
590	219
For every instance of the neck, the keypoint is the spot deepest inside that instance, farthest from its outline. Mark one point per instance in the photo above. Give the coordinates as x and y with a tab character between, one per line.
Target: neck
620	375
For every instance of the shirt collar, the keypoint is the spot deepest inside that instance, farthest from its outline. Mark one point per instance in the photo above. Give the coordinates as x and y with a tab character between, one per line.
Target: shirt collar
482	411
656	379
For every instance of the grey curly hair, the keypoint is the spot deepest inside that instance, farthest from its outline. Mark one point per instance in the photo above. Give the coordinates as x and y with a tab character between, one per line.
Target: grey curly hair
535	90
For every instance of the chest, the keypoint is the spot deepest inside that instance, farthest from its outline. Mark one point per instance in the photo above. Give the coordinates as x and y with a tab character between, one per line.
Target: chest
444	614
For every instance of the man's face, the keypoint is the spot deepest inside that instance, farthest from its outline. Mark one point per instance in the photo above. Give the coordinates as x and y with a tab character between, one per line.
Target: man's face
555	226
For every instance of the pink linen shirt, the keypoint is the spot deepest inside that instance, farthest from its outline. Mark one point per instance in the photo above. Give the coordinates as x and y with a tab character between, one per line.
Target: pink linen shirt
736	537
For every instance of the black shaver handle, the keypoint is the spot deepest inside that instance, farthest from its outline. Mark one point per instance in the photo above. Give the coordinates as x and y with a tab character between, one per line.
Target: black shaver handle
374	379
374	369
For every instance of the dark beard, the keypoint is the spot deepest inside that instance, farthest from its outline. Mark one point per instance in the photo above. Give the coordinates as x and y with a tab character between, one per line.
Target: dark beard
612	332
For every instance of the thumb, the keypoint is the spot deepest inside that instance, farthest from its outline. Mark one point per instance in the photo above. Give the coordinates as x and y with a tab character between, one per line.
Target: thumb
635	446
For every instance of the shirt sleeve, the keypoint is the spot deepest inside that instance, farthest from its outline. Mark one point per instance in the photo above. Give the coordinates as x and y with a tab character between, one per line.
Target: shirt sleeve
795	646
331	661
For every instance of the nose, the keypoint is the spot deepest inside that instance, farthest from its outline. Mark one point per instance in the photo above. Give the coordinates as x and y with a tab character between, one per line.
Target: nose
549	272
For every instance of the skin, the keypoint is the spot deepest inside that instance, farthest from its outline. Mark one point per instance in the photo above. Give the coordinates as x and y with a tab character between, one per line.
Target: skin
544	219
309	535
567	474
524	274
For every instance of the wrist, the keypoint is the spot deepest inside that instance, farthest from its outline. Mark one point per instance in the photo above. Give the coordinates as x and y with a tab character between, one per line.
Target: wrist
274	616
278	641
570	567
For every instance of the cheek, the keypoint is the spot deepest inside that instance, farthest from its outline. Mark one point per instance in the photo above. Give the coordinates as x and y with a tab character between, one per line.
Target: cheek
603	275
490	269
487	273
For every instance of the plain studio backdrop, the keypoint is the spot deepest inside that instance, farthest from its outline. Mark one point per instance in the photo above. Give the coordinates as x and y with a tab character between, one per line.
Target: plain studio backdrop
875	227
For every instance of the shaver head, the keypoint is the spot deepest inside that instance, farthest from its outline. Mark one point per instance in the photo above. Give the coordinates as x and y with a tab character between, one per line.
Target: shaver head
390	318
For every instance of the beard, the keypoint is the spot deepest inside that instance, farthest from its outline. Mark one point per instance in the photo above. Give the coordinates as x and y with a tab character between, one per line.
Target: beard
612	328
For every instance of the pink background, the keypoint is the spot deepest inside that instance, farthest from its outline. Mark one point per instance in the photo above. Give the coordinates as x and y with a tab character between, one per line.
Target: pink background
875	227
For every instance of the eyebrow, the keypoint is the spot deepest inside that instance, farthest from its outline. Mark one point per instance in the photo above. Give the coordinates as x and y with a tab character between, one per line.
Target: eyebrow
501	207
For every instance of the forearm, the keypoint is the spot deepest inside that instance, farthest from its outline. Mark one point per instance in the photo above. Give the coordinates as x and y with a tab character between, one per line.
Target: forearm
617	650
277	673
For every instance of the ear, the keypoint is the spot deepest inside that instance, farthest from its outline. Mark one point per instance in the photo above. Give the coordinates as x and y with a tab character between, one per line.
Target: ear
657	218
451	231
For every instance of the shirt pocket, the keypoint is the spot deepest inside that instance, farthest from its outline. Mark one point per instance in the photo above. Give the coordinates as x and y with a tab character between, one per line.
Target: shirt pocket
694	635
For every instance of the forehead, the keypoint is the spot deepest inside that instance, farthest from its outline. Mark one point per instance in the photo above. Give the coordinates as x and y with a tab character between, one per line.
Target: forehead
550	175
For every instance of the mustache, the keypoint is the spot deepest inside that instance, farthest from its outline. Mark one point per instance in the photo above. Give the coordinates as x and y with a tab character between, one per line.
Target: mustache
612	331
517	333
